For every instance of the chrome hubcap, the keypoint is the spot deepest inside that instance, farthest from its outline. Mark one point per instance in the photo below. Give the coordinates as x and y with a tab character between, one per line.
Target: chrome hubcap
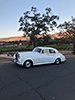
57	61
28	64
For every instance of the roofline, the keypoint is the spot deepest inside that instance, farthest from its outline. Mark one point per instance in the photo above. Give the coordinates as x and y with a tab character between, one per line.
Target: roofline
46	47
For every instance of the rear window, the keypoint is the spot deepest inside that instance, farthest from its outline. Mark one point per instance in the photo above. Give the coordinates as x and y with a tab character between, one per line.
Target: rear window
51	51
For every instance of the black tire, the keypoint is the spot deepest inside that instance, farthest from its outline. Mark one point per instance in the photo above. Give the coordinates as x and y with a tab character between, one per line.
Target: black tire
28	64
57	61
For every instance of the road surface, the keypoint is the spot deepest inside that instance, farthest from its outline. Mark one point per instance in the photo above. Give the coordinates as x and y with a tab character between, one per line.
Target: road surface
46	82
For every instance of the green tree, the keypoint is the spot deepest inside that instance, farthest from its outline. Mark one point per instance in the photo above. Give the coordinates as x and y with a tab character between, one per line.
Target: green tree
69	27
46	39
33	23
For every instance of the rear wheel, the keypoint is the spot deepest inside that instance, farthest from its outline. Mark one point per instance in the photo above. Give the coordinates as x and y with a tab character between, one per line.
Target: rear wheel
28	63
58	61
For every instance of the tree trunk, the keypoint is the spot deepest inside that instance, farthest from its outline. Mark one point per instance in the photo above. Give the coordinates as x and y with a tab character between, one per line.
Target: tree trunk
73	43
33	41
73	48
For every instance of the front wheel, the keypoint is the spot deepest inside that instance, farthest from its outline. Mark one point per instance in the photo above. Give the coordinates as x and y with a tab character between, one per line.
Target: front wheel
58	61
28	64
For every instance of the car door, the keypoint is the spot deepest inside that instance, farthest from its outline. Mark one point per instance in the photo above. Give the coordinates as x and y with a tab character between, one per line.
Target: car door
49	56
46	57
52	55
42	57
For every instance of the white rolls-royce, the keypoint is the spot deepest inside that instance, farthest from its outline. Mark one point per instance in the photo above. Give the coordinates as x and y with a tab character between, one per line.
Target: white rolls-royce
38	56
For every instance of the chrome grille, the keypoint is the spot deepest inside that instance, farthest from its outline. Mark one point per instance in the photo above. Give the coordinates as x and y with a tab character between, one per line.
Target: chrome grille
16	56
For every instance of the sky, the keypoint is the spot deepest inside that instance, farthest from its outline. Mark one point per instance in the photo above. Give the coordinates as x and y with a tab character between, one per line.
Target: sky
12	10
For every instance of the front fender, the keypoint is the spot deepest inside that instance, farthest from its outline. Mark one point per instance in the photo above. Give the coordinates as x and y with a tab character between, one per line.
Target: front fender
25	59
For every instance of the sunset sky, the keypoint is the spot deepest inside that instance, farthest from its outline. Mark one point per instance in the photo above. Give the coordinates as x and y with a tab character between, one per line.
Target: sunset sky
11	10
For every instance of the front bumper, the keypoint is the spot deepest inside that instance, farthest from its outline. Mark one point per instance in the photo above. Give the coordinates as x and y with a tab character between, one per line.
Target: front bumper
17	62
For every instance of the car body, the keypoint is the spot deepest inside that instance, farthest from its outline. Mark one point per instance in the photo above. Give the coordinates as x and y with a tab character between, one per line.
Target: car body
38	56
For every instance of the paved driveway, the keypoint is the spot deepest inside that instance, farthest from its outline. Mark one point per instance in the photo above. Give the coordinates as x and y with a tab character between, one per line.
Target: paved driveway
47	82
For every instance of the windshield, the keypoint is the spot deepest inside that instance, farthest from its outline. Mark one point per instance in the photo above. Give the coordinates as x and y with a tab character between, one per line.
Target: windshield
37	50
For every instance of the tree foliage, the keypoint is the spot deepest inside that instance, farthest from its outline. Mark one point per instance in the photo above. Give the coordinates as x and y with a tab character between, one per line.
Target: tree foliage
69	27
33	23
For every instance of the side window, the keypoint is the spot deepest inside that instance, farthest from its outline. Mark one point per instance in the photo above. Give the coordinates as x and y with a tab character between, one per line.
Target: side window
51	51
37	50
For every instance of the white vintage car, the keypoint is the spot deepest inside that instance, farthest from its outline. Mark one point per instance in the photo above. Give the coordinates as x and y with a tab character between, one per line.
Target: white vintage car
38	56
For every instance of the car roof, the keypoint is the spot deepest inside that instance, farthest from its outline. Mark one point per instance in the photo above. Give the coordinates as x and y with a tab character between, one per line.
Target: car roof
47	48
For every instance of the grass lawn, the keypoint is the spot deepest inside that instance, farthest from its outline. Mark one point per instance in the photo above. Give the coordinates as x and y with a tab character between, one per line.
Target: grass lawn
29	48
